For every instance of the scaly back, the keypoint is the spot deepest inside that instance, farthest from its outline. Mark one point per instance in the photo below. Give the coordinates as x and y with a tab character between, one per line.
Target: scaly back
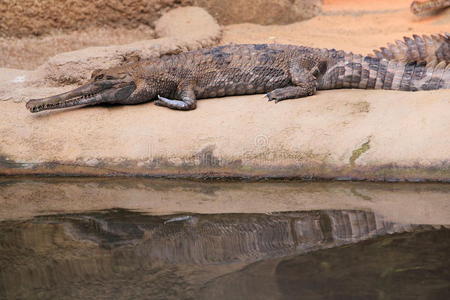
426	48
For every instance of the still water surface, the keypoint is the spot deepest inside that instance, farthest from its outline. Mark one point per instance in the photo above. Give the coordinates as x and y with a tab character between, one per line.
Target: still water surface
119	253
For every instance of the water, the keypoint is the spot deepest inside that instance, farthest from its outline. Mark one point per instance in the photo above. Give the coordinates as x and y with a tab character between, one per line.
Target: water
177	240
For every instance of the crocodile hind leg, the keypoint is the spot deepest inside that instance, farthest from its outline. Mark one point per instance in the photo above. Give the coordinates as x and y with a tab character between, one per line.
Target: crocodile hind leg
187	102
305	84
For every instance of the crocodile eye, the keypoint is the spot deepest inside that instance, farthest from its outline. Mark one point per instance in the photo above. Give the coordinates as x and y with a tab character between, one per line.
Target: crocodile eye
98	77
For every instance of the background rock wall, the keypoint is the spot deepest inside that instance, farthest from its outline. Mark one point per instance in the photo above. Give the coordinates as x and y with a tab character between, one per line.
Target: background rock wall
29	17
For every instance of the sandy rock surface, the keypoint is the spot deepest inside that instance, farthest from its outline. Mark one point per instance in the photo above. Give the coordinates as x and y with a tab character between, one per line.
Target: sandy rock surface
376	135
343	134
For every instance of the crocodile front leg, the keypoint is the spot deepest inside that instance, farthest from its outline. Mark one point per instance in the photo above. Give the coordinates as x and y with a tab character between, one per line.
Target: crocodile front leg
305	84
187	102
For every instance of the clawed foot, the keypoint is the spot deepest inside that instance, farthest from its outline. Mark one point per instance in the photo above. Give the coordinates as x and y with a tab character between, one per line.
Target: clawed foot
274	96
291	92
279	95
162	101
175	104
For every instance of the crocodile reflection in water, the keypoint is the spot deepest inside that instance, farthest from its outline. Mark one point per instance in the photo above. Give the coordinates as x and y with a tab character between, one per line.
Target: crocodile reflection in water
205	239
121	254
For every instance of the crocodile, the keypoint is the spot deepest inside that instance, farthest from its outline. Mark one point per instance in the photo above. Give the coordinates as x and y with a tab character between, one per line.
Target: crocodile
279	71
427	7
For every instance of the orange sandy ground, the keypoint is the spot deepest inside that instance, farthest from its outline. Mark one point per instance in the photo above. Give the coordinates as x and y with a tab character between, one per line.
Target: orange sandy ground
350	25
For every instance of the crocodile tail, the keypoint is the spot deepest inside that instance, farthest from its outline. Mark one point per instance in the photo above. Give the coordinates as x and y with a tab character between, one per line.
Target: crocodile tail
421	8
425	48
348	70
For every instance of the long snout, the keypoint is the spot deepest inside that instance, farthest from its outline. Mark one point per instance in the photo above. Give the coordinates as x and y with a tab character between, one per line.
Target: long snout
78	96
